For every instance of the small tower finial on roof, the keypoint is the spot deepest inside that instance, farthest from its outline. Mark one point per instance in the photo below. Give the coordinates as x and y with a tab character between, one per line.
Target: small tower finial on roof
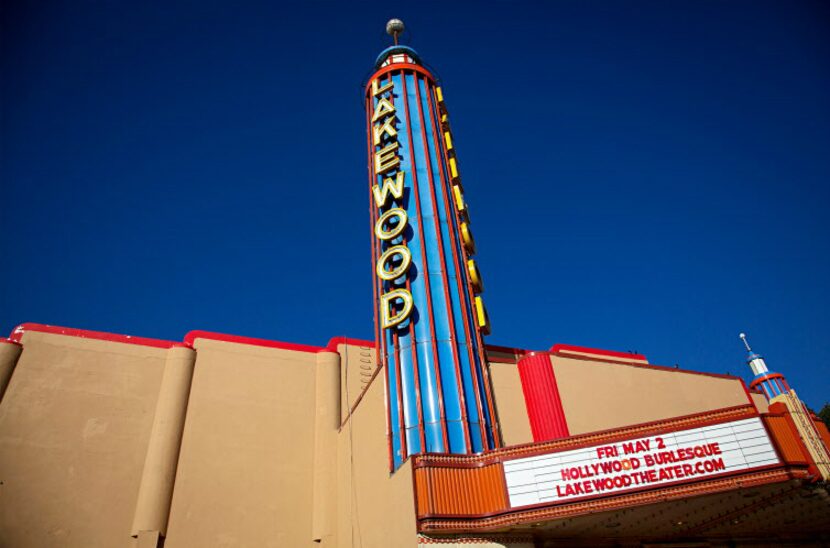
394	28
773	384
746	344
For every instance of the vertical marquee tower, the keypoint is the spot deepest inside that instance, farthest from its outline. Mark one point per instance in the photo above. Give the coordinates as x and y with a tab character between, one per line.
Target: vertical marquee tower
429	316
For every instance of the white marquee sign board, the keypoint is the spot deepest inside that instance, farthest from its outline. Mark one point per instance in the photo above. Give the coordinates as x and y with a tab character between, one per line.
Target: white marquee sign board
681	456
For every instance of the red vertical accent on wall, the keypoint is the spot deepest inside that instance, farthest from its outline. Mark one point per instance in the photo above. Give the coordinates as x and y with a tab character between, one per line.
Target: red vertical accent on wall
544	407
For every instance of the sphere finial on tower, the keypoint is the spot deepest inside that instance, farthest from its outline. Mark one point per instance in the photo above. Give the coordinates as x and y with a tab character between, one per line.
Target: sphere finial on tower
394	28
746	344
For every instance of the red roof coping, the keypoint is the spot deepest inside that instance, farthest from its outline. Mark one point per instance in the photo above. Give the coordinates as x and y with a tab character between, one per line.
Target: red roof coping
17	335
586	350
334	341
331	346
191	337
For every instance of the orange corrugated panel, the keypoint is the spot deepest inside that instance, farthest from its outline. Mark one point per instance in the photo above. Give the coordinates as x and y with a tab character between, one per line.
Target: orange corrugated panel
786	440
421	494
823	432
460	491
494	490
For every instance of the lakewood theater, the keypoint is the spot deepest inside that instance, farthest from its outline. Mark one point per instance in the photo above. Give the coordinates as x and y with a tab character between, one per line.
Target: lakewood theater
424	436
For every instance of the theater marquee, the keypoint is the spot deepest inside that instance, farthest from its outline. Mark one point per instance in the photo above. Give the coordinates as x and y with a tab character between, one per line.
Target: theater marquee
628	465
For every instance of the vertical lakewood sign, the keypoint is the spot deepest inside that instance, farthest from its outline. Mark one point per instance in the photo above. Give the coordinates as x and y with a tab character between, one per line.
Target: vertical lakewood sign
674	457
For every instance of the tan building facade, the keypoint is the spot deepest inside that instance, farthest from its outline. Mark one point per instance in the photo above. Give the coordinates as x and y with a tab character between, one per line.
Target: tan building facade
109	440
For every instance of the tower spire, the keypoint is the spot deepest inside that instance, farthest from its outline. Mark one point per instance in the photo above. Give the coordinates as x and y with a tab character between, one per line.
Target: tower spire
773	384
746	344
394	28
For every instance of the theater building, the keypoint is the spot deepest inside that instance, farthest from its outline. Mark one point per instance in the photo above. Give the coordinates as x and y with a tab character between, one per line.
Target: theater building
425	436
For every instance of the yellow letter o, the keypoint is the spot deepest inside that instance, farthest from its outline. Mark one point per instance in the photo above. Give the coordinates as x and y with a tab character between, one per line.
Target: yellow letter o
399	270
384	234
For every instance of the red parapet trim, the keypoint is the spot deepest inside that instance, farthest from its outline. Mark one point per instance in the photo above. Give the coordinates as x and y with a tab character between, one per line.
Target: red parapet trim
20	330
586	350
689	371
499	359
331	346
491	351
191	337
399	66
519	352
9	341
647	366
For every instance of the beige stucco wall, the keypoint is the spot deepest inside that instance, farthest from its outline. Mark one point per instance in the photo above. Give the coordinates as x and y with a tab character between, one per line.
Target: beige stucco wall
256	438
599	395
93	433
761	402
9	353
245	465
74	426
375	510
357	368
510	403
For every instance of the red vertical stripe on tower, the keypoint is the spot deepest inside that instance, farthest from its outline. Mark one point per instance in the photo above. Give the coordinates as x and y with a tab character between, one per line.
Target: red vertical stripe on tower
430	312
436	137
380	333
413	346
485	367
463	286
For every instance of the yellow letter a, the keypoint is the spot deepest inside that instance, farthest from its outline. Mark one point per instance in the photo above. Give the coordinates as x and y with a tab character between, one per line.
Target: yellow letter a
384	107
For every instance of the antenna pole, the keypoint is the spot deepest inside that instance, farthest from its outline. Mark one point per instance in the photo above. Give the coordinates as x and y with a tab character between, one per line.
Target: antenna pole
394	28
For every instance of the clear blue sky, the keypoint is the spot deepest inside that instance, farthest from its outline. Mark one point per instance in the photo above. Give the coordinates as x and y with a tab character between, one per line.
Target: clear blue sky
647	176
